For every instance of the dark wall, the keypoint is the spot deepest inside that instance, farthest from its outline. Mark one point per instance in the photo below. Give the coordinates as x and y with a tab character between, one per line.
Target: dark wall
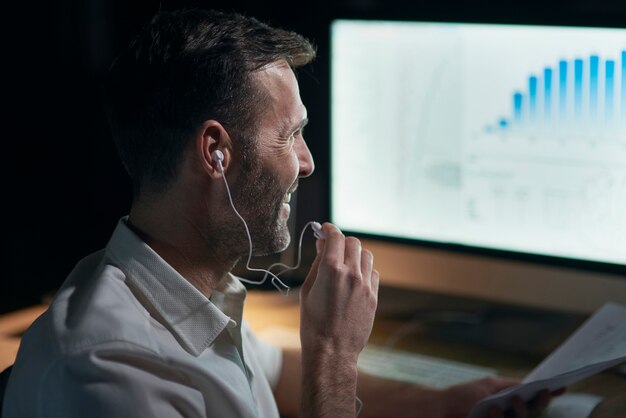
63	187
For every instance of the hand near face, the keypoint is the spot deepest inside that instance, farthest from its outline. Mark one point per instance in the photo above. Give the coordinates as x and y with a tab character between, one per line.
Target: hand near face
339	297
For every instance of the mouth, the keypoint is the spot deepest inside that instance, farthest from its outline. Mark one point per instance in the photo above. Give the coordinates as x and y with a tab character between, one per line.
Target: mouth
287	197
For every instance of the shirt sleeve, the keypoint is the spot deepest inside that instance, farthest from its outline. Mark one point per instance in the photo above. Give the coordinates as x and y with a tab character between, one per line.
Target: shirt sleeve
270	356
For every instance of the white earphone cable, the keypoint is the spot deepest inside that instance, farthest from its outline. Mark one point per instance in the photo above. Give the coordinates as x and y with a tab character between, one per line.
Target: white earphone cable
278	284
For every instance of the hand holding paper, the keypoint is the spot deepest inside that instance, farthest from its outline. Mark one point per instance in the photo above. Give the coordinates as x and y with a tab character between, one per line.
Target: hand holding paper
599	344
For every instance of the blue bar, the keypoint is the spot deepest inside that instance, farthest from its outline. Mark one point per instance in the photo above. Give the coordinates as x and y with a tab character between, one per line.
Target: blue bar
623	86
594	63
517	107
503	123
609	94
578	89
532	92
563	90
547	94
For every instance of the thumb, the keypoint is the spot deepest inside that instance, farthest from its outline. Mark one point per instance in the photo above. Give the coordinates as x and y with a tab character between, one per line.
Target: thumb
310	278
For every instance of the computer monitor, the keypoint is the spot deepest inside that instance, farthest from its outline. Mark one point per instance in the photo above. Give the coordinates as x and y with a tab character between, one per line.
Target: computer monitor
484	160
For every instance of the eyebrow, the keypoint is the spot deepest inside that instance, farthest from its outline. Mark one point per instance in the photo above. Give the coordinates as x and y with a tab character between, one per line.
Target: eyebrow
290	129
302	124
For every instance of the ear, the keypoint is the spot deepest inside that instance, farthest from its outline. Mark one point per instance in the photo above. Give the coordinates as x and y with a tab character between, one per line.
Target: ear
212	136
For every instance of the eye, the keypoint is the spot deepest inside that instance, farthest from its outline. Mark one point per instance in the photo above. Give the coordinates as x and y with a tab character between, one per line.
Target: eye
292	137
296	133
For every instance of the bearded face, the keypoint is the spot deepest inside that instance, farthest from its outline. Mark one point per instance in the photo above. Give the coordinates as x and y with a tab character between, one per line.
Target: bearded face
270	162
262	199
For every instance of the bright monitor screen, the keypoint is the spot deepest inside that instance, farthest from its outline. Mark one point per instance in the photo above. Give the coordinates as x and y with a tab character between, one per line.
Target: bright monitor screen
504	137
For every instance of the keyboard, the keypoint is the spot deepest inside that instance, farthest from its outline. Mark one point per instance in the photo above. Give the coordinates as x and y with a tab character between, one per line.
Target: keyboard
410	367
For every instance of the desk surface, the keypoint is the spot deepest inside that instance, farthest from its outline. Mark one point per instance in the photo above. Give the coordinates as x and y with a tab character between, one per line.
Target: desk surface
270	313
276	318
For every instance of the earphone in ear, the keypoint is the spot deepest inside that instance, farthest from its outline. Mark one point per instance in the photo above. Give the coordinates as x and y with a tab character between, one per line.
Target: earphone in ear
217	156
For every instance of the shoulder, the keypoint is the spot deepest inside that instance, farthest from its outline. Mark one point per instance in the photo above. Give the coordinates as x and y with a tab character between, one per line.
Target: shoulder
104	380
94	306
94	328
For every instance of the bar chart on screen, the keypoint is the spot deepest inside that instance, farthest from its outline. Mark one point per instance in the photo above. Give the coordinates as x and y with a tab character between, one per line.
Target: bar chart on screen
552	165
580	96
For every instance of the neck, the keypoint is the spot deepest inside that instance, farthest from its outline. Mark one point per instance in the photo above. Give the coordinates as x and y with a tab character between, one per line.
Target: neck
181	241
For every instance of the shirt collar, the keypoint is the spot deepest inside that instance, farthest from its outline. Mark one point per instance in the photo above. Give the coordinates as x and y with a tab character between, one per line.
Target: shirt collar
195	320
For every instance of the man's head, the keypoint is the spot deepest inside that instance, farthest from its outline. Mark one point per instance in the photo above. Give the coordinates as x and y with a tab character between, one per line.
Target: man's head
194	69
186	67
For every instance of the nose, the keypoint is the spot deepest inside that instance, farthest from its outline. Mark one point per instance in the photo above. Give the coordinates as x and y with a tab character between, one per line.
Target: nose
305	159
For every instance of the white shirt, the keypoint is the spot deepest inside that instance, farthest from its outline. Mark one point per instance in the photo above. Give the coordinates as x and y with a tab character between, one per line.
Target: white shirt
127	336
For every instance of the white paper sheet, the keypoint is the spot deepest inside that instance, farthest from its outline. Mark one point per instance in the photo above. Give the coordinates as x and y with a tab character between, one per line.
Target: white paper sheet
602	337
597	345
527	391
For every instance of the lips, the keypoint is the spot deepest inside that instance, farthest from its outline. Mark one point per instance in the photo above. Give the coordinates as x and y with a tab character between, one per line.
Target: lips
287	197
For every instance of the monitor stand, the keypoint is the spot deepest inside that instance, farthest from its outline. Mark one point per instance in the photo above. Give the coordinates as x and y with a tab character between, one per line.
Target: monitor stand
511	329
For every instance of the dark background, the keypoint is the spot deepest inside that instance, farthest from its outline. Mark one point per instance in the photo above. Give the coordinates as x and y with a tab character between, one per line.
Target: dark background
63	186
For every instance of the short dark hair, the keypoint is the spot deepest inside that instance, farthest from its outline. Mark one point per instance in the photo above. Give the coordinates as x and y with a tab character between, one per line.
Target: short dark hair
183	68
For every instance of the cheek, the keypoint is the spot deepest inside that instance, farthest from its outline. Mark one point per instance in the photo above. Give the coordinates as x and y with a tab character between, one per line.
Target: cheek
293	166
287	165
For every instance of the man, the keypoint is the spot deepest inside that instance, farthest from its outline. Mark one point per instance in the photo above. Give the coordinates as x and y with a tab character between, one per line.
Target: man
151	326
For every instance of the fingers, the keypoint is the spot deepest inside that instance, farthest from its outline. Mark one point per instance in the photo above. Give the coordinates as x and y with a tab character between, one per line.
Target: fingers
519	407
367	269
367	263
539	403
533	408
495	412
310	278
319	246
337	250
375	281
353	257
334	248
